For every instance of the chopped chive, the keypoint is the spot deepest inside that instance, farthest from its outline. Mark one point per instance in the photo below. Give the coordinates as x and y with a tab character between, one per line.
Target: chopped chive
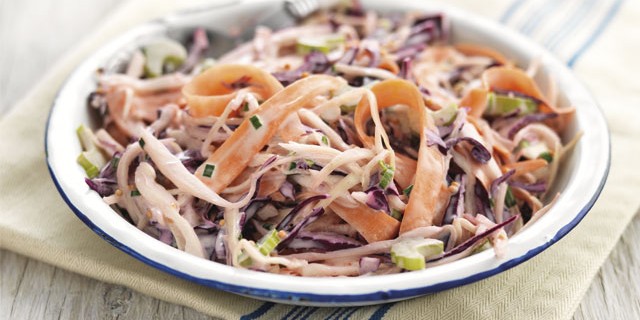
407	191
396	214
292	166
325	140
208	170
255	122
141	142
546	156
309	162
509	200
115	161
386	175
135	193
246	107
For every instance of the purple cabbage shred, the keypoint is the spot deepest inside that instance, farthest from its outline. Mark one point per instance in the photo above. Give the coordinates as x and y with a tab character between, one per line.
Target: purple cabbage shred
455	208
528	119
377	200
538	187
478	151
503	178
288	191
471	242
285	223
200	44
313	216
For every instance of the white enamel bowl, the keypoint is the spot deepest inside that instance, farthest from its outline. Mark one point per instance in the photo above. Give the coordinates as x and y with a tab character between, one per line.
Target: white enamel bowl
581	179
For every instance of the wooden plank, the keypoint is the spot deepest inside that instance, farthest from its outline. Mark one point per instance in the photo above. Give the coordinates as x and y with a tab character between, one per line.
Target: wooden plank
615	292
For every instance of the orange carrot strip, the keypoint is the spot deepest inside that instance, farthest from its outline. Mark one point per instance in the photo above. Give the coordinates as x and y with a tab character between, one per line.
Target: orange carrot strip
430	194
524	167
246	141
513	79
209	93
405	170
476	100
388	64
502	154
469	49
373	225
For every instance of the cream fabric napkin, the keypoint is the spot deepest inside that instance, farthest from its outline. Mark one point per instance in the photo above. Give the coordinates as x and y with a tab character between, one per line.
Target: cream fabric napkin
597	38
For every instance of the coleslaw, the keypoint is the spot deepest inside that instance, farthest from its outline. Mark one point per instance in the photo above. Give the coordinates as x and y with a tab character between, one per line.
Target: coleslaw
356	143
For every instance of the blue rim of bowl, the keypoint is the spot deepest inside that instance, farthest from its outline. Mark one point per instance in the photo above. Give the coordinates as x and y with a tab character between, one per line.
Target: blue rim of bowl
293	297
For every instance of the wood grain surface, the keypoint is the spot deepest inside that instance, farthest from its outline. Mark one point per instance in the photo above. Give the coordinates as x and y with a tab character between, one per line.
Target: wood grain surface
33	35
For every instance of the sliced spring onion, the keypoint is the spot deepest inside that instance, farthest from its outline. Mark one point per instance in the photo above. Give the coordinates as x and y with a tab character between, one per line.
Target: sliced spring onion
245	260
163	52
91	159
141	142
446	115
410	253
386	174
324	44
268	242
325	140
135	193
86	137
499	105
85	160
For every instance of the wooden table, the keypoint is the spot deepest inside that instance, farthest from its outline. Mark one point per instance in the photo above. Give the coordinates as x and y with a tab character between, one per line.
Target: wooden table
33	35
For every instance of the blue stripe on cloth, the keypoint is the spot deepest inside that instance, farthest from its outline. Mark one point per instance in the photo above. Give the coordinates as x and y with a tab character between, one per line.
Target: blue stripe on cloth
258	312
601	27
584	10
335	313
291	312
532	22
346	316
511	10
339	312
300	312
309	312
381	311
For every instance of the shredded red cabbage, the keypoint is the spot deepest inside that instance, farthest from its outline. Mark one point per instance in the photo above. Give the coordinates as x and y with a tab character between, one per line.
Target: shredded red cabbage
377	200
503	178
528	119
285	223
475	240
